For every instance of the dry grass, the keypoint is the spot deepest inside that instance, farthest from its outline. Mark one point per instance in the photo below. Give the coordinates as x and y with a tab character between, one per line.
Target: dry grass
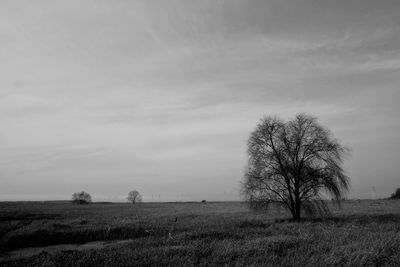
362	233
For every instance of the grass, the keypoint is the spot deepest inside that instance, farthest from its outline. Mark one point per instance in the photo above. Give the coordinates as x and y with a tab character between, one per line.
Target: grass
361	233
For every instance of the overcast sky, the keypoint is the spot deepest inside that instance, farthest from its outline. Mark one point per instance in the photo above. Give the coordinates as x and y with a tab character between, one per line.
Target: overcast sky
160	96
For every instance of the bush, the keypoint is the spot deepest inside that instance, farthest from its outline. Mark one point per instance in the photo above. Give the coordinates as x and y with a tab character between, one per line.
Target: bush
81	198
396	195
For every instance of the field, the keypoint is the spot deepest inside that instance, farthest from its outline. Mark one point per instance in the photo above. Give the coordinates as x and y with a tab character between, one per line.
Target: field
360	233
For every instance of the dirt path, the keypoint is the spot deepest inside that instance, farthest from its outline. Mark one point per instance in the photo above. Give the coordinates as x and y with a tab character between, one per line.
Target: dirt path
28	252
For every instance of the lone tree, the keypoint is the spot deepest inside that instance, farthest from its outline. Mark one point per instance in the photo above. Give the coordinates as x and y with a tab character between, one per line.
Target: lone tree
293	164
134	197
396	195
81	198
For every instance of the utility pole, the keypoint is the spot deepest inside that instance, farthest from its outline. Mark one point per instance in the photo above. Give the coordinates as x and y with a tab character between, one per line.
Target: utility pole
373	192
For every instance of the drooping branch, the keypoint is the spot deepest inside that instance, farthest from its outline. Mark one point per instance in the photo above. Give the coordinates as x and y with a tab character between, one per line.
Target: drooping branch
292	162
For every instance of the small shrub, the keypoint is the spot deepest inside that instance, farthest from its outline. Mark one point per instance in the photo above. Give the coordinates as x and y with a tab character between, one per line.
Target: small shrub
81	198
396	195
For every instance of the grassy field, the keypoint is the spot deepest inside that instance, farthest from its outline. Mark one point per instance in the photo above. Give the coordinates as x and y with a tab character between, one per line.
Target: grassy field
360	233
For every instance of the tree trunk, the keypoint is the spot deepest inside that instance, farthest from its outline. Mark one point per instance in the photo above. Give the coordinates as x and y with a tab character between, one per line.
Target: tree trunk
296	213
296	216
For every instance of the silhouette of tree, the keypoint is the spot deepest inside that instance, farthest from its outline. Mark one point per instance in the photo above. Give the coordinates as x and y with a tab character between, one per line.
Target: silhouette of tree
293	164
396	195
134	197
81	198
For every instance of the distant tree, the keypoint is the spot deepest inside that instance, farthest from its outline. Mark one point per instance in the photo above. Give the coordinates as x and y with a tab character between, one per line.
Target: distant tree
81	198
134	197
292	164
396	195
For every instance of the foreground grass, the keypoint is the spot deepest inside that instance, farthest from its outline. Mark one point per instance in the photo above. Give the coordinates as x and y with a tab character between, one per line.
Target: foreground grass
363	233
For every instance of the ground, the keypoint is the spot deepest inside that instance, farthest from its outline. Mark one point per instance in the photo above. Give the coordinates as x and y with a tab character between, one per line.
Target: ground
360	233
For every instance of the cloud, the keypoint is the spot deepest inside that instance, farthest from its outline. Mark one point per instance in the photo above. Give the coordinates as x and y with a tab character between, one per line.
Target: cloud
24	105
165	94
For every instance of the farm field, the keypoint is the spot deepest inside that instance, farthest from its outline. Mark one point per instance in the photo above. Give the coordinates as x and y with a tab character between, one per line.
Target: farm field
360	233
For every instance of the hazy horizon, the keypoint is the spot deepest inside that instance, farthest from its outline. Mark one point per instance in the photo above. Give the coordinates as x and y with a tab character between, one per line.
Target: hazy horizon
161	96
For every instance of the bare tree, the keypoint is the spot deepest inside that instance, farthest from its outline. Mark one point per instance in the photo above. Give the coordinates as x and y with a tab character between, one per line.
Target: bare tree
293	164
134	197
81	198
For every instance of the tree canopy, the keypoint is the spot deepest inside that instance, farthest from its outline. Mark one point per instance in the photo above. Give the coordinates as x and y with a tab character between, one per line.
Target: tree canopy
294	163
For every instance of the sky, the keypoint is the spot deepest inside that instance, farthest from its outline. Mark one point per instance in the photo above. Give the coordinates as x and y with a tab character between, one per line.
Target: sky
161	96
